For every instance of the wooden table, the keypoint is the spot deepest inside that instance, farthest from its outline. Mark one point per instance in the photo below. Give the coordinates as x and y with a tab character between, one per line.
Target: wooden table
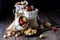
51	35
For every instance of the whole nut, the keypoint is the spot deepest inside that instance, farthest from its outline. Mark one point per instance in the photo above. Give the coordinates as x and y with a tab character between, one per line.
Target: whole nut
42	36
13	33
22	3
9	34
5	36
29	34
48	24
24	19
17	35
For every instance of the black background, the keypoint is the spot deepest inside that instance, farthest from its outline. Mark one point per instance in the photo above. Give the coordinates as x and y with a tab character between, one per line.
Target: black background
6	7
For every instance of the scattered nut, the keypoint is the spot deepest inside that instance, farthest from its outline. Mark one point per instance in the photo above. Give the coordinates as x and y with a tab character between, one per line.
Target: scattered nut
41	27
13	33
5	36
9	32
22	31
22	3
17	35
9	35
48	24
42	36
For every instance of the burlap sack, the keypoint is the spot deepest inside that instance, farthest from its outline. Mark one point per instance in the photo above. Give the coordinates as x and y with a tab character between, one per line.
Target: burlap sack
33	23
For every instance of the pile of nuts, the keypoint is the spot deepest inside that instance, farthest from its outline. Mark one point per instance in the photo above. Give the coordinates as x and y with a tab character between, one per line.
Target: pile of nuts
12	33
23	21
30	31
19	33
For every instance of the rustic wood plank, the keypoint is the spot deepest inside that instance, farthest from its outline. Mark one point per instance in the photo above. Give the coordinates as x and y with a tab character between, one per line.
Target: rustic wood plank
58	33
1	28
50	35
22	38
35	38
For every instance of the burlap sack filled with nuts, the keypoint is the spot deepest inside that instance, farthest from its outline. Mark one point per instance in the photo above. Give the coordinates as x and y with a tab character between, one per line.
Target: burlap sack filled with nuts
32	17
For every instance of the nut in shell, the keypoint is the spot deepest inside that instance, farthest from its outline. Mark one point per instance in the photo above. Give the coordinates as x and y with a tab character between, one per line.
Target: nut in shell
22	31
48	24
22	3
30	31
24	26
9	35
5	36
41	27
13	33
42	36
29	34
9	32
34	31
26	33
18	34
24	19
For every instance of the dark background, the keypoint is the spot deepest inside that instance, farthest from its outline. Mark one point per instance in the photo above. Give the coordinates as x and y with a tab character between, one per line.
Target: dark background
47	7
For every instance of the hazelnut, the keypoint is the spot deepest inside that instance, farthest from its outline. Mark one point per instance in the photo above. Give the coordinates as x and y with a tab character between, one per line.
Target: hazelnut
42	36
29	34
26	33
9	34
24	19
13	33
48	24
34	31
5	36
41	27
22	3
22	31
29	29
16	35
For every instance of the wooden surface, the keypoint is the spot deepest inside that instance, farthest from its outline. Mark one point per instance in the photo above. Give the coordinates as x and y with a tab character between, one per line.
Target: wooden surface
51	35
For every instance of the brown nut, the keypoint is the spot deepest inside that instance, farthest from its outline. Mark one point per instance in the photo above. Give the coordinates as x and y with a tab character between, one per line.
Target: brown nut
22	3
13	33
17	35
42	36
24	19
9	35
9	32
41	27
22	31
5	36
48	24
30	34
34	31
29	29
26	33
